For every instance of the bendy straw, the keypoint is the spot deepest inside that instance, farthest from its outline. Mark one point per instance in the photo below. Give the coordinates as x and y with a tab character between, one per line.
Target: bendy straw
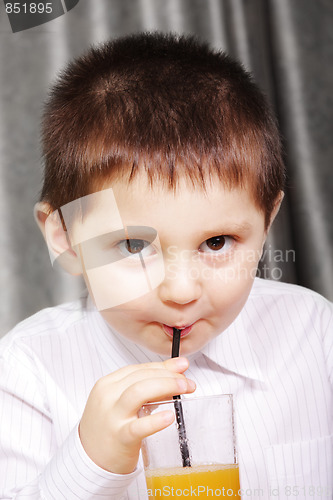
178	407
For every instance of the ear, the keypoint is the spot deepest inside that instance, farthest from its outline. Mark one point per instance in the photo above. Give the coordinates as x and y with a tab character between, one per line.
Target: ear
276	208
60	250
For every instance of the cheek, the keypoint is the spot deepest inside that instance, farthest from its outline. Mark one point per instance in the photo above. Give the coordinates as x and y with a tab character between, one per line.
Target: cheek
117	283
133	313
229	290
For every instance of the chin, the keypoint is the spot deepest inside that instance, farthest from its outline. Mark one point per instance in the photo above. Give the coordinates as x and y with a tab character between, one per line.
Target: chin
187	347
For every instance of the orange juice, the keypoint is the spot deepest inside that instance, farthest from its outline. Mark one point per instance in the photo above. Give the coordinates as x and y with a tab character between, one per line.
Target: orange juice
201	481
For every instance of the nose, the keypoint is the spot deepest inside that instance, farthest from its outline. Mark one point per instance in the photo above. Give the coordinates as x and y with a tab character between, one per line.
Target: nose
181	284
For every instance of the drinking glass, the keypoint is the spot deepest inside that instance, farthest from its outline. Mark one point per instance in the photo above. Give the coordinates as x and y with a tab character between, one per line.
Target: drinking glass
196	456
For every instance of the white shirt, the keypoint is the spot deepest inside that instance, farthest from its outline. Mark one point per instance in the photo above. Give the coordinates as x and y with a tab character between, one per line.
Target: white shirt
276	358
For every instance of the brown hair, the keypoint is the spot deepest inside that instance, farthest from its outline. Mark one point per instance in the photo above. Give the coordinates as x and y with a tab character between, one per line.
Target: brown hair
164	103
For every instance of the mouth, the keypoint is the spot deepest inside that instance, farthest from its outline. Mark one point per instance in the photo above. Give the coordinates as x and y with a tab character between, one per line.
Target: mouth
185	330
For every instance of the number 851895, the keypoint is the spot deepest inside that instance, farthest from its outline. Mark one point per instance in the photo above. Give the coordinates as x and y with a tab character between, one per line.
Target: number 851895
25	8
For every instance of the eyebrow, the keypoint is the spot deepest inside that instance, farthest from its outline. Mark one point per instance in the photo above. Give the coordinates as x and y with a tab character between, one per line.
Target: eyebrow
227	228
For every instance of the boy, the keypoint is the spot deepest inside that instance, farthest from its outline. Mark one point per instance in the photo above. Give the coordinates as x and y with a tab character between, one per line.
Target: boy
163	174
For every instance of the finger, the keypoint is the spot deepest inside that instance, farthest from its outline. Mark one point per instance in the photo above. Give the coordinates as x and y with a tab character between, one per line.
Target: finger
141	375
177	365
140	428
152	390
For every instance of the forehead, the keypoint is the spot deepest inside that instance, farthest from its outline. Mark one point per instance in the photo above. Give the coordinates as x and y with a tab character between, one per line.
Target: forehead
171	211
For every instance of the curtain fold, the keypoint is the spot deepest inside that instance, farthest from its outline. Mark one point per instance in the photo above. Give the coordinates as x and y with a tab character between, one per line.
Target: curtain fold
302	49
288	44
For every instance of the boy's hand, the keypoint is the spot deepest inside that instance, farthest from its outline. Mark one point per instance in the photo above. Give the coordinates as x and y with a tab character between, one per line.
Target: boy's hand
110	430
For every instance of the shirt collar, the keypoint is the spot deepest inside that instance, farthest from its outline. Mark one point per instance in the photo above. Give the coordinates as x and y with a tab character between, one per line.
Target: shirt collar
234	351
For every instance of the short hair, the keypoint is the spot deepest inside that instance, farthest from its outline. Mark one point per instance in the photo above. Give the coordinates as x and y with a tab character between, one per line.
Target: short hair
166	104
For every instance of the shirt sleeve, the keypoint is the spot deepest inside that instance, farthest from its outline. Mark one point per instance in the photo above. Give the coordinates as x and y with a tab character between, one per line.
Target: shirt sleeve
72	475
32	465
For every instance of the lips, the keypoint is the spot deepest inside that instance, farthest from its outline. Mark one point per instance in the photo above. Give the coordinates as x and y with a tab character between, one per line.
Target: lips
184	331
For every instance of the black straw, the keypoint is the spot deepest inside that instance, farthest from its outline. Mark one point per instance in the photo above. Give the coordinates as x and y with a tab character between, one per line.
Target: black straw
178	407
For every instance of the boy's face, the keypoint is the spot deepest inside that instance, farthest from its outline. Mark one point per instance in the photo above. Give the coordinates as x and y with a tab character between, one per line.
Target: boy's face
209	245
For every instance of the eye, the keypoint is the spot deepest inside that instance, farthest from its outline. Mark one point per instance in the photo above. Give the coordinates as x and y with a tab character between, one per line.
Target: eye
217	245
132	247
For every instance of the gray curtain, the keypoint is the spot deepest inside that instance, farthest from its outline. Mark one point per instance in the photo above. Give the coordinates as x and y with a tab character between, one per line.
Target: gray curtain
288	44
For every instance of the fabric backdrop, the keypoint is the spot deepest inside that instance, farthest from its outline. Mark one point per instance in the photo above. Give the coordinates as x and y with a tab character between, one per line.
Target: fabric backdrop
288	44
